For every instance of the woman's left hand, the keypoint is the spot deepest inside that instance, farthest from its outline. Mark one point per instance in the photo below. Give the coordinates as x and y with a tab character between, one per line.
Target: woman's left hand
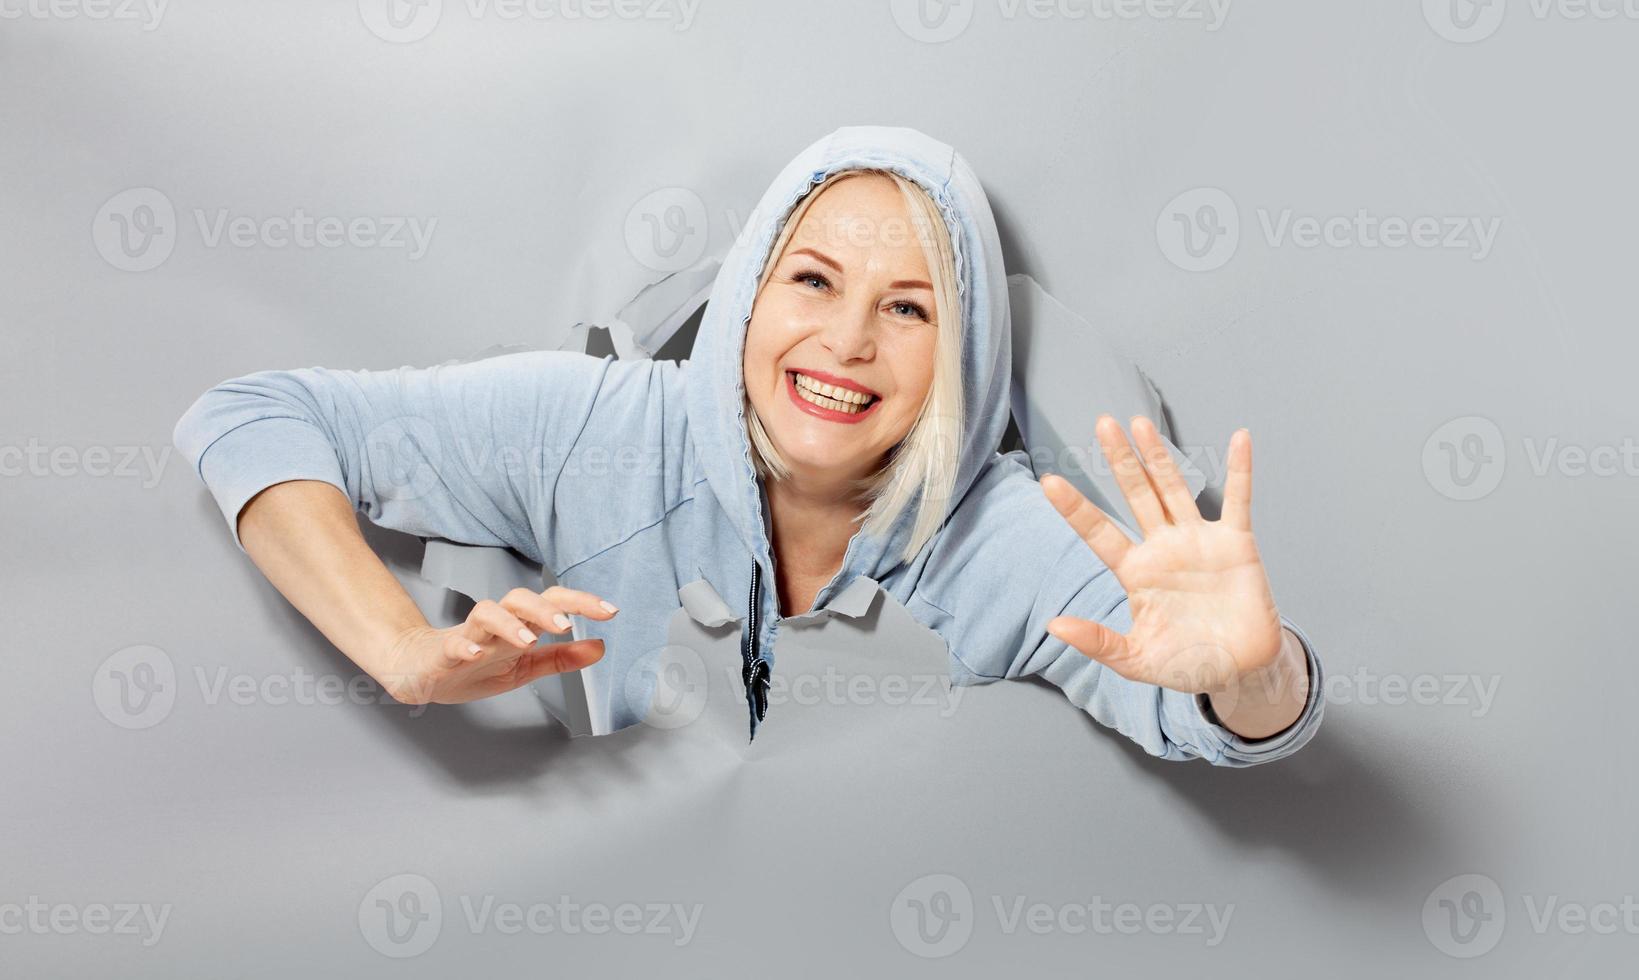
1203	617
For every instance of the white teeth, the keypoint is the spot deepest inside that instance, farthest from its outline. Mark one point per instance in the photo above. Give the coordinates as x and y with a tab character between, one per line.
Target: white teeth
830	396
833	392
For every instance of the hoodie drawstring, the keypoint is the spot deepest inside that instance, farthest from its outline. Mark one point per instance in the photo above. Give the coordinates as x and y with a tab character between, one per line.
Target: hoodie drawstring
754	670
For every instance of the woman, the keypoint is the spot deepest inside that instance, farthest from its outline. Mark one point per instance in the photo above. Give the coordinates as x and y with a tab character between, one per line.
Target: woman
833	433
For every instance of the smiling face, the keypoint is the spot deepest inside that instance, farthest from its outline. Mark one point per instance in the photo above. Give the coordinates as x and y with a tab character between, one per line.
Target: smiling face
839	354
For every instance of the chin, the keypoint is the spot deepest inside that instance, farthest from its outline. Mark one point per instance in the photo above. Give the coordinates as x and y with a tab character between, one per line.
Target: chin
818	455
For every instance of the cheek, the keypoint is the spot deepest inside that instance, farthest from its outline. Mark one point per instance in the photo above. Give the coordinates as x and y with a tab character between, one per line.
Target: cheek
761	351
768	335
913	378
916	360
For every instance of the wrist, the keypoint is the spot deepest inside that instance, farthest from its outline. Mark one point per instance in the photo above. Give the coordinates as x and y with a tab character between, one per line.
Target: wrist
393	663
1266	701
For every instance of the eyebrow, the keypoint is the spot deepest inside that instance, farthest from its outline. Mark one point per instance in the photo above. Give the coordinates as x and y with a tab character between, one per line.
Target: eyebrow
896	284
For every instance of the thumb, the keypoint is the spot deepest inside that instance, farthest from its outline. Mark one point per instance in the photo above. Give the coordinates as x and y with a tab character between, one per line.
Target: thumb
1094	640
560	658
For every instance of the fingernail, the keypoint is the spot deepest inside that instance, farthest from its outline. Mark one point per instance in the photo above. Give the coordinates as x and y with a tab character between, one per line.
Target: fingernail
526	636
608	606
474	650
560	621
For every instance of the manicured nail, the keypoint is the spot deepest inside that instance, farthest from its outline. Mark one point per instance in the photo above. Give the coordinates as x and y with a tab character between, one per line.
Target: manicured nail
474	650
608	606
560	621
526	636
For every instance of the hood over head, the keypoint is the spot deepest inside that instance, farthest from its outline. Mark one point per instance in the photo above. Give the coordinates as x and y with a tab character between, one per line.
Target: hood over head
716	392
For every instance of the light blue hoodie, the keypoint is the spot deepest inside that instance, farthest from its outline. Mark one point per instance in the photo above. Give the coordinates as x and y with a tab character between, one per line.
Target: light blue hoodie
633	480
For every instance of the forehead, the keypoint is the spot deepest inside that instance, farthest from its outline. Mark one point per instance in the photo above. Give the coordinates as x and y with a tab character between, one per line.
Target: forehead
860	216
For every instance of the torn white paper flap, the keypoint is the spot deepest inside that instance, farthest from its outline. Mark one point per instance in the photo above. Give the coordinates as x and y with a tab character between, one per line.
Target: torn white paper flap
1066	374
658	310
704	605
477	572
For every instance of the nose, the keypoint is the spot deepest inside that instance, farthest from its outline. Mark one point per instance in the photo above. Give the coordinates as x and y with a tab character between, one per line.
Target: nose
849	334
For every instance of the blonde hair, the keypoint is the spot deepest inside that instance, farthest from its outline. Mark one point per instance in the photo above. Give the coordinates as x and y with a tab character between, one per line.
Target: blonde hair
922	466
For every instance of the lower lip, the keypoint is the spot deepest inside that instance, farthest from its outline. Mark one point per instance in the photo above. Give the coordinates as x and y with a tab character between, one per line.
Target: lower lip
819	411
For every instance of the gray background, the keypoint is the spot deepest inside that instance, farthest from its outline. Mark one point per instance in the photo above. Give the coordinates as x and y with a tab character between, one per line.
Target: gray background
270	827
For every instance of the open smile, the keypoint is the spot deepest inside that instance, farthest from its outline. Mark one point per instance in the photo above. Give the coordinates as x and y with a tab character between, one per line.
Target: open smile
830	398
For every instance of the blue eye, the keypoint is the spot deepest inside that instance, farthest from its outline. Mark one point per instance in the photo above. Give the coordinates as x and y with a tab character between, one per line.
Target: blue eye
810	275
916	309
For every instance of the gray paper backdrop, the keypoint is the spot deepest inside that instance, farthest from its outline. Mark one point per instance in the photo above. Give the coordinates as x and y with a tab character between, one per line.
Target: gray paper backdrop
1396	240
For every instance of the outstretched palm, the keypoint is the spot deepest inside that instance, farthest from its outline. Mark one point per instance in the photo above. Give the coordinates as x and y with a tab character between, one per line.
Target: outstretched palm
1202	612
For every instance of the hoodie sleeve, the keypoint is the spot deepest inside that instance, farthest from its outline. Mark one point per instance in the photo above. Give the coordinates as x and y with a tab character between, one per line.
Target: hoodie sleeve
487	452
991	600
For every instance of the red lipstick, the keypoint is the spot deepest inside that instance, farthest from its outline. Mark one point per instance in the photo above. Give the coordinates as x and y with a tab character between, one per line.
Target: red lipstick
829	414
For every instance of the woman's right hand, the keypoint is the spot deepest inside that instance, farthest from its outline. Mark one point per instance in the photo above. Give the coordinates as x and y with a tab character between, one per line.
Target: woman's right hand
495	650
